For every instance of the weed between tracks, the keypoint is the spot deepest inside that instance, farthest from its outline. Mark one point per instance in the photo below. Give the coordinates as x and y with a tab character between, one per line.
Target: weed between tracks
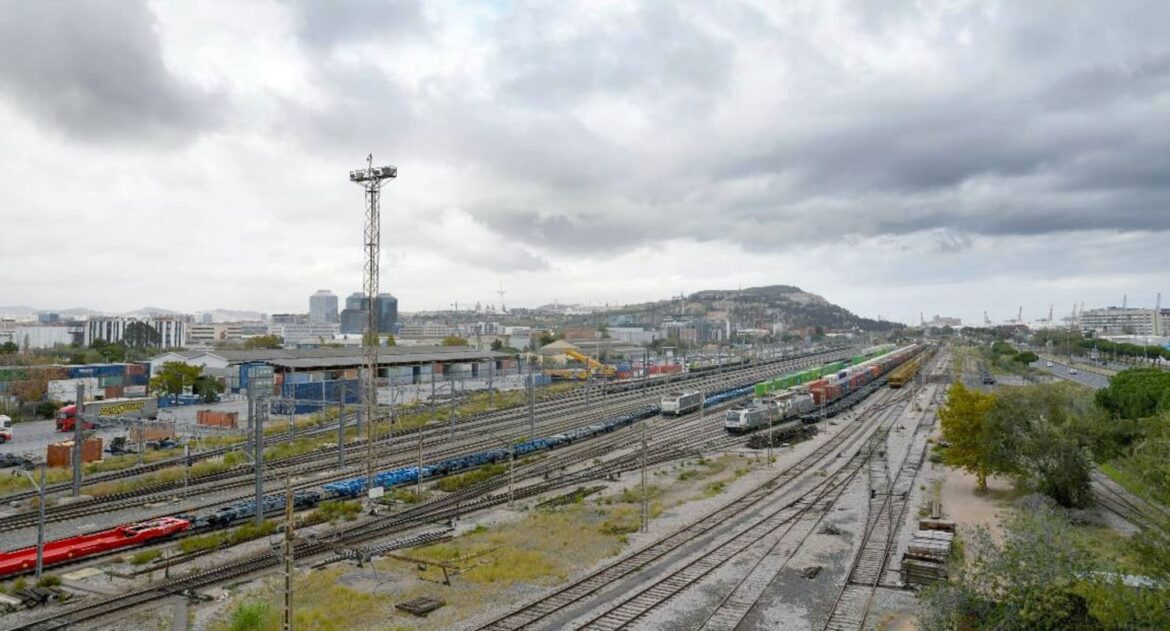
489	566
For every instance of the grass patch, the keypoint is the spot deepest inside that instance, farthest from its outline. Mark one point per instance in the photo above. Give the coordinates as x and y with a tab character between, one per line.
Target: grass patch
455	482
213	540
335	510
1119	473
49	580
142	557
713	489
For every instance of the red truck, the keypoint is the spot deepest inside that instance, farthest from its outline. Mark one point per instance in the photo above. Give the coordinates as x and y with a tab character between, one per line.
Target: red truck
142	407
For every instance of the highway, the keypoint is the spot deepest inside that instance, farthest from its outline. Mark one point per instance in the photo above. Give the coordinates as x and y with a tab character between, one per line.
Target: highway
1083	377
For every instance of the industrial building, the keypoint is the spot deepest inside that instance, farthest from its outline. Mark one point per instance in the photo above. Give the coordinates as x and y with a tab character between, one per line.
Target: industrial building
400	365
1122	321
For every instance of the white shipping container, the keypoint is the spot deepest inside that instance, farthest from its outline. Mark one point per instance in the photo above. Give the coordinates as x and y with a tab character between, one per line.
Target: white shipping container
66	389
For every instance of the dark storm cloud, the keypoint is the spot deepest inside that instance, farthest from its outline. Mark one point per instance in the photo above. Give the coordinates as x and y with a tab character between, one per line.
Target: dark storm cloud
324	24
94	70
1045	122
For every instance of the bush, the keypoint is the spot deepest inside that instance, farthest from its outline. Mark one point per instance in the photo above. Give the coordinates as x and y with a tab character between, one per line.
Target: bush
334	510
49	580
456	482
251	616
142	557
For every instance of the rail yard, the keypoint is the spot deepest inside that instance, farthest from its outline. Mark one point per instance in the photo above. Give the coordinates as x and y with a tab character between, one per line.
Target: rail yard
720	570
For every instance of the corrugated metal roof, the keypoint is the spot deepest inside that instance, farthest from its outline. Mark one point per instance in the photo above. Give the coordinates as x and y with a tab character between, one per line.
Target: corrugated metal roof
357	359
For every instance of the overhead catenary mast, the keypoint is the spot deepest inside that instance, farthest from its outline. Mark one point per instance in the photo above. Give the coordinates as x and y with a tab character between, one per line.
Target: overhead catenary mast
371	180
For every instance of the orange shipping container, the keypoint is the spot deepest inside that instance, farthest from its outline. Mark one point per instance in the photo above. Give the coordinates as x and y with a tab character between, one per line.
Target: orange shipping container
209	418
61	454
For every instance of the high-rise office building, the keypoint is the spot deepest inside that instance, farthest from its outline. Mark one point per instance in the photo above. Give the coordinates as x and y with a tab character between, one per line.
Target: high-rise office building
323	307
354	317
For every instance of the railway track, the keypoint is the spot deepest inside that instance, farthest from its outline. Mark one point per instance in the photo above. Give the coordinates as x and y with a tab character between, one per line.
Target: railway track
664	449
539	611
473	498
550	421
888	505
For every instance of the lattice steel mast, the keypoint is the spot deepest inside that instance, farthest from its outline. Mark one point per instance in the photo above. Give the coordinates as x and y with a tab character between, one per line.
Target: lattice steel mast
371	179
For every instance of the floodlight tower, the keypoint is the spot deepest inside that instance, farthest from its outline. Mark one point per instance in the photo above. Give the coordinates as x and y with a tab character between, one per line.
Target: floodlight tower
371	179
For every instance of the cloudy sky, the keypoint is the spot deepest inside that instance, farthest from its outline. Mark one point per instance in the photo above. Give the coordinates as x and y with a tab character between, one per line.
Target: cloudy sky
896	157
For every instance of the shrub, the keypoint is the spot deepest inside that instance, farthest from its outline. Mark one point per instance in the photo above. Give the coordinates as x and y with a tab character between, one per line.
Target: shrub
142	557
49	580
251	616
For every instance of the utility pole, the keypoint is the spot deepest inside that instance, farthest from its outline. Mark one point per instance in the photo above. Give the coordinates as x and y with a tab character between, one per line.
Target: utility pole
645	500
531	403
418	477
371	180
451	386
78	436
260	412
340	426
289	552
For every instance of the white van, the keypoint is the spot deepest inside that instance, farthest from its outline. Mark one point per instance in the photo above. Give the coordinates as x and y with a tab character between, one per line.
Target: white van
5	429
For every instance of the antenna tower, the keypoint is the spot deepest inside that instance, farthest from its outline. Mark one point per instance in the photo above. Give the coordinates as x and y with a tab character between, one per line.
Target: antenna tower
371	180
501	293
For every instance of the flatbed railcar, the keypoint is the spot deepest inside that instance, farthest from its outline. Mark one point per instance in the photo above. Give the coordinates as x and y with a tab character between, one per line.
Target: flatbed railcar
679	403
76	548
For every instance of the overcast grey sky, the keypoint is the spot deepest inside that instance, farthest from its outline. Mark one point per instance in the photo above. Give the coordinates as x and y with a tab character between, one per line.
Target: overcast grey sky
895	157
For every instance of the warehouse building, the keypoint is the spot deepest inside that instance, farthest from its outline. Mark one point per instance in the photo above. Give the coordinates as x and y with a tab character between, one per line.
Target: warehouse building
398	365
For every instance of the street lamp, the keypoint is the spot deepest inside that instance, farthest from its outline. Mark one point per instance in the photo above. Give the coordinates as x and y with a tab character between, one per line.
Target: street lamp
40	519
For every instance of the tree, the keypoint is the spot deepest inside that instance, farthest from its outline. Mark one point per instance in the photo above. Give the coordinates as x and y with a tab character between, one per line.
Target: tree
208	388
1136	393
963	422
264	341
1033	434
497	344
390	341
112	353
454	340
141	335
547	337
1026	357
173	377
1044	576
9	348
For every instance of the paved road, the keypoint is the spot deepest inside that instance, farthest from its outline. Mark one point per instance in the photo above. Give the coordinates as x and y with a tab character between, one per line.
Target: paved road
33	437
1083	377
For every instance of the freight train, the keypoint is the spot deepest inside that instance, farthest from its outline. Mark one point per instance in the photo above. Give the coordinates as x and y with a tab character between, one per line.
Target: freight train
74	548
782	401
679	403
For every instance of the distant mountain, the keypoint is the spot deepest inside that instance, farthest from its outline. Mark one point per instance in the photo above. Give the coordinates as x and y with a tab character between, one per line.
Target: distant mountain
761	307
22	312
235	315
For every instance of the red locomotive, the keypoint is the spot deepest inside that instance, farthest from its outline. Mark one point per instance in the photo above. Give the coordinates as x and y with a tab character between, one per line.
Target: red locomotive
77	548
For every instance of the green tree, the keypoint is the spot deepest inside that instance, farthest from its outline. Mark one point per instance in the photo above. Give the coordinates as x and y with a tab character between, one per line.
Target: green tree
1043	576
390	341
264	341
497	344
1026	357
208	388
173	377
1033	433
9	348
1136	393
141	335
963	423
454	340
547	337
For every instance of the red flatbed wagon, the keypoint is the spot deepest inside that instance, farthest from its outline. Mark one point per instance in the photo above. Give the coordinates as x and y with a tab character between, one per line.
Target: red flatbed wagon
76	548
